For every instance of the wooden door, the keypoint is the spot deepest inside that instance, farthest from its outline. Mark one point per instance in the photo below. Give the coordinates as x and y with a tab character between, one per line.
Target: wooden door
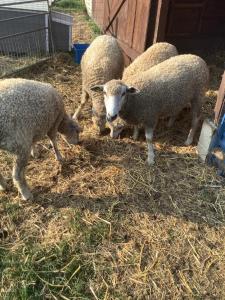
127	20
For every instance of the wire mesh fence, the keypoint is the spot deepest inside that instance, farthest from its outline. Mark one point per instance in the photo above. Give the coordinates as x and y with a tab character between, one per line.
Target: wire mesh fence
25	34
86	25
31	30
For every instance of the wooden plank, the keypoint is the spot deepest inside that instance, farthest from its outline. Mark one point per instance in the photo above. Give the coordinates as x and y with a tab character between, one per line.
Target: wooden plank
220	103
141	25
130	21
98	12
132	53
161	20
114	12
130	24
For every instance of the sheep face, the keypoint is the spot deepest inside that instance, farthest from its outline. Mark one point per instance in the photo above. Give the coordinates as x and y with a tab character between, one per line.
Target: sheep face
70	129
115	93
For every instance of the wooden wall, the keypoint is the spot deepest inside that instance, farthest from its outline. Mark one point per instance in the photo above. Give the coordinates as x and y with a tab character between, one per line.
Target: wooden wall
137	24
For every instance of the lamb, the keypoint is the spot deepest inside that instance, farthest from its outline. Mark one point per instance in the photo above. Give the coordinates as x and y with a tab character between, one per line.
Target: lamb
164	90
30	110
154	55
102	61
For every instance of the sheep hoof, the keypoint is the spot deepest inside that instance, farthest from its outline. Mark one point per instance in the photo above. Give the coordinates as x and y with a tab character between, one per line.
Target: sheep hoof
188	142
27	195
114	135
61	160
35	153
3	187
150	161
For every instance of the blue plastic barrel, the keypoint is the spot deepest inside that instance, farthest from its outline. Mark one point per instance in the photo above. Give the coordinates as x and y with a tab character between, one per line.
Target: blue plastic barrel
79	50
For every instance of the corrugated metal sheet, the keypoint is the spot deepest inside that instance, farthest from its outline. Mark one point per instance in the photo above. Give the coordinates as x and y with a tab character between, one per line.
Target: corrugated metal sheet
36	5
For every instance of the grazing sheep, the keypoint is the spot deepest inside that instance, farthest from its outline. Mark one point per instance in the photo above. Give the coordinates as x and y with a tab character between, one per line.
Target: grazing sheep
154	55
163	90
102	61
30	110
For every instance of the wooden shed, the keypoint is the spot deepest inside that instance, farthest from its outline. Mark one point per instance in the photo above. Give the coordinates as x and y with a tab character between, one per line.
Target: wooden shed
137	24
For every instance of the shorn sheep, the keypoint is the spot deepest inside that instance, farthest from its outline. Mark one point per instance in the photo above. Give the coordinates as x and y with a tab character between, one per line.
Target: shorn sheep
154	55
102	61
163	90
30	110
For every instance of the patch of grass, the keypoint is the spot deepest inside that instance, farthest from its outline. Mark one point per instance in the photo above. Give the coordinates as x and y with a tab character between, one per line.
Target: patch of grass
63	268
72	5
95	29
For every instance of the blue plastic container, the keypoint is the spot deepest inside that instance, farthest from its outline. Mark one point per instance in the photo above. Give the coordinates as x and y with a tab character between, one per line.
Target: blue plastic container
79	50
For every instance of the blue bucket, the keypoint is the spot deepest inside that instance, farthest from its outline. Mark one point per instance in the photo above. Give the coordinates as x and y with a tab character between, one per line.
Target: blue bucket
79	50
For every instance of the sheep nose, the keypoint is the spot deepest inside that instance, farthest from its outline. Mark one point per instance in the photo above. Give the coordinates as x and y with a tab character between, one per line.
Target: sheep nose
111	118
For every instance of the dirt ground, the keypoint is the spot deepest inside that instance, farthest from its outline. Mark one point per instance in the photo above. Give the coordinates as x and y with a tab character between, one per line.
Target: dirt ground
107	226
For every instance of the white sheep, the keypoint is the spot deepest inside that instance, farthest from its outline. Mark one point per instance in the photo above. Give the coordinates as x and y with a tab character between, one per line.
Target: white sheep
30	110
163	90
102	61
154	55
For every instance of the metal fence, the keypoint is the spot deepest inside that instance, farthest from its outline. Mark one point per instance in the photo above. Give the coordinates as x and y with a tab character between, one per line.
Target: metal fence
25	34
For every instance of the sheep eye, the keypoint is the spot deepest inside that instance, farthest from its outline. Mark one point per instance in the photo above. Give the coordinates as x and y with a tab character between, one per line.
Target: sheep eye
123	94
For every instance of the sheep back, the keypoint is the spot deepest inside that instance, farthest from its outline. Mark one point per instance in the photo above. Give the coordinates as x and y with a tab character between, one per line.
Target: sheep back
154	55
165	89
28	110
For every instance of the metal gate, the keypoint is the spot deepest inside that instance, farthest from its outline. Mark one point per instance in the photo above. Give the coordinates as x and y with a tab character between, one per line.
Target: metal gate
25	34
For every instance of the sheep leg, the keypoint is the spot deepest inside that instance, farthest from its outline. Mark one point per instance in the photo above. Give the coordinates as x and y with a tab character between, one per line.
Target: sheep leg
84	98
196	116
19	175
34	152
151	155
3	185
52	134
136	133
56	150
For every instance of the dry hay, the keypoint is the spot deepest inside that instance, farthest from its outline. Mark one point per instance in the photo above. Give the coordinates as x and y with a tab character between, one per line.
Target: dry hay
137	232
9	64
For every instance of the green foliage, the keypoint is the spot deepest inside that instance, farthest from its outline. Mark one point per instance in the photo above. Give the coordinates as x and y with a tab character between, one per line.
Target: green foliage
76	5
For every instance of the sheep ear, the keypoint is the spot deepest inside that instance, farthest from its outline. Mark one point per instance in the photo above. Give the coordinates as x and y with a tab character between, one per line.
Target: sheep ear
132	90
97	88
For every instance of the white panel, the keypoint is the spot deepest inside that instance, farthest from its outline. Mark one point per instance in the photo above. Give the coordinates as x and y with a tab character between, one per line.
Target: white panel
39	6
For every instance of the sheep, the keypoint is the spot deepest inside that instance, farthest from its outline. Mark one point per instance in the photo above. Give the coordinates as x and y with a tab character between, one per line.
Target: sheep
101	62
164	90
30	110
154	55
